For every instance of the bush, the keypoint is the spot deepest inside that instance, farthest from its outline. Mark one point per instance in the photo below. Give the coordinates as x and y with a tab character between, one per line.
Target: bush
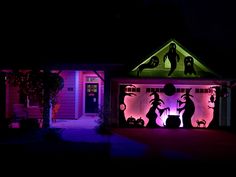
29	123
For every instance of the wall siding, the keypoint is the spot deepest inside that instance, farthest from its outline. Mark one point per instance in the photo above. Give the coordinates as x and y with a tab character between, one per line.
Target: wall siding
66	97
12	97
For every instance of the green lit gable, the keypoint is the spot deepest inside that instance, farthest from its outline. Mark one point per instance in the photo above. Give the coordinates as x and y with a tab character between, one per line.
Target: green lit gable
172	60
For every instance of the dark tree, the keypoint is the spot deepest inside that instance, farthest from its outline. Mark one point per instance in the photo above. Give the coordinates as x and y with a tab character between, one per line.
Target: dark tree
40	85
122	95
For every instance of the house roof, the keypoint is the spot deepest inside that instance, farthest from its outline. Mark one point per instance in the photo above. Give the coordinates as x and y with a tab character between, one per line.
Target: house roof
116	32
127	54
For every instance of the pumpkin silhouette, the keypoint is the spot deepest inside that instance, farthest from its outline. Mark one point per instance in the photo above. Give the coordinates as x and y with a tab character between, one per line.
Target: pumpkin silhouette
140	122
131	122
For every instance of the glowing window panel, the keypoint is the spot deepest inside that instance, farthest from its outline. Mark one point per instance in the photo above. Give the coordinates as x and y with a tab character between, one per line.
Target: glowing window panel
138	106
91	79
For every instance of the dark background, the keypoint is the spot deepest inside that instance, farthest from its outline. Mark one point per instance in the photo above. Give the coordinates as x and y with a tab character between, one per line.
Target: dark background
117	31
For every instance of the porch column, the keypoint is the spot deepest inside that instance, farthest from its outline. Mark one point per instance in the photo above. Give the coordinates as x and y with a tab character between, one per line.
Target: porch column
3	99
46	103
229	108
107	98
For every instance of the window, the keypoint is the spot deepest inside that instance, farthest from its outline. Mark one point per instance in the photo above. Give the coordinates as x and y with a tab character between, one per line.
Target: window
32	102
91	79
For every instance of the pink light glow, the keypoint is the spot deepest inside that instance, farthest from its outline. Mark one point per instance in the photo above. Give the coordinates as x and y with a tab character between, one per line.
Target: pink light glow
138	106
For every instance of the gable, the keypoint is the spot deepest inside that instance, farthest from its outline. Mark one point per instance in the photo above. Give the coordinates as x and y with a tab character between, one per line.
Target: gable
172	60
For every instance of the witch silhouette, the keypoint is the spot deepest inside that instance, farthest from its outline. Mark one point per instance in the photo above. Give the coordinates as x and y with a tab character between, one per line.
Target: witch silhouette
152	115
189	109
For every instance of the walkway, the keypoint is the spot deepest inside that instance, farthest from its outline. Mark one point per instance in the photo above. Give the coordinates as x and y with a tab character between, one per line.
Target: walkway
84	130
162	143
77	141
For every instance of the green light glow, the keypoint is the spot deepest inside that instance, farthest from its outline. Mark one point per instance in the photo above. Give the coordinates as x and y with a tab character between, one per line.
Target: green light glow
163	67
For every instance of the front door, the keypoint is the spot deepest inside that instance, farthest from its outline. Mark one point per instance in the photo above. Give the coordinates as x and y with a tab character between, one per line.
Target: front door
91	98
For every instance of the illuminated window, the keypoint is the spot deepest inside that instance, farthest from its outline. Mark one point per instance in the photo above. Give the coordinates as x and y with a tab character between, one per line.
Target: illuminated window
91	79
132	89
32	102
202	90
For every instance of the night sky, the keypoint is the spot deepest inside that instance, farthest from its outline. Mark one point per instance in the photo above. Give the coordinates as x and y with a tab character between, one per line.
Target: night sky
119	31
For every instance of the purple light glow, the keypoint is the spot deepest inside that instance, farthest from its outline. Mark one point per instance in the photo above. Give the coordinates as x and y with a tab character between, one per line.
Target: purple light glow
138	106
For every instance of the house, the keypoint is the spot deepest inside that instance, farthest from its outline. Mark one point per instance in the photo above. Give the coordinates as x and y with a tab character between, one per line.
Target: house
169	88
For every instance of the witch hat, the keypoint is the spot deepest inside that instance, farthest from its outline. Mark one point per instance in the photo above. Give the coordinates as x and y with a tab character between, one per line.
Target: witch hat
187	93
